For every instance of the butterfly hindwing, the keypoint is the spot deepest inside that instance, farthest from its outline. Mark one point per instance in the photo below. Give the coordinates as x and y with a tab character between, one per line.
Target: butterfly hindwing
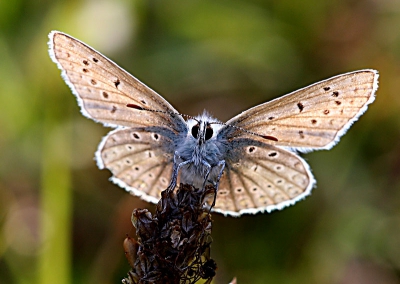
261	177
139	160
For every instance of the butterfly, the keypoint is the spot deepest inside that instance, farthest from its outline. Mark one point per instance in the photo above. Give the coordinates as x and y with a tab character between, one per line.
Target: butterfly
252	158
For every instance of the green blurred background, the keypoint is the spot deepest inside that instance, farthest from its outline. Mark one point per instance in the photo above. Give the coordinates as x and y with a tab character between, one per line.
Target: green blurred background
62	221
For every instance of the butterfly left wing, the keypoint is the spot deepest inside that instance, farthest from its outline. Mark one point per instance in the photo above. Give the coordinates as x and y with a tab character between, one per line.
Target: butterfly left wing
261	177
314	117
139	152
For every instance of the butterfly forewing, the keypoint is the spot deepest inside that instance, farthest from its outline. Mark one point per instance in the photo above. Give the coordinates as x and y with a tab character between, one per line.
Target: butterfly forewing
104	89
261	177
313	117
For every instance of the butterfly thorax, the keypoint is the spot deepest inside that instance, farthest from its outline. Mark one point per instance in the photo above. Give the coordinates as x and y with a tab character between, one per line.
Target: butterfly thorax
201	148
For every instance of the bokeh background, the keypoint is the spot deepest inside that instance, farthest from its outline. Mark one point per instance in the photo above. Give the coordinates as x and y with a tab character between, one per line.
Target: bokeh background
62	221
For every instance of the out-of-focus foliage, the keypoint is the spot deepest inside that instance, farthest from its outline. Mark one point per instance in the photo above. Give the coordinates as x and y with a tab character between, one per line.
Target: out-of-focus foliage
62	221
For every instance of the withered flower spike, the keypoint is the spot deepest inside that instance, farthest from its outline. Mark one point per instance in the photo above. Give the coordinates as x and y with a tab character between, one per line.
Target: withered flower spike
174	244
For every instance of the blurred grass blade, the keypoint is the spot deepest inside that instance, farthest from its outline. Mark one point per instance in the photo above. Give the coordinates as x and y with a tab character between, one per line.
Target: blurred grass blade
56	203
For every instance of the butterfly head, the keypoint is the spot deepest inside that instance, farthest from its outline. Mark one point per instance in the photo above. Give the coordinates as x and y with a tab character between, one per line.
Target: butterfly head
203	128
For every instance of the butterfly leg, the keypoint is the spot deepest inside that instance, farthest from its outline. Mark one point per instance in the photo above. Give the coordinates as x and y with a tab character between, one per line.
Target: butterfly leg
222	165
208	171
175	171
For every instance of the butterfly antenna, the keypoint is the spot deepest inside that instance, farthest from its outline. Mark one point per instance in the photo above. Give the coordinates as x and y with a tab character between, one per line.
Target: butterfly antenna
268	137
161	111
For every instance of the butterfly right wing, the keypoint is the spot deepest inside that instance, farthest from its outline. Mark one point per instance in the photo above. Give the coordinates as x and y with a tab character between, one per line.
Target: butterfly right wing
140	160
103	89
261	177
311	118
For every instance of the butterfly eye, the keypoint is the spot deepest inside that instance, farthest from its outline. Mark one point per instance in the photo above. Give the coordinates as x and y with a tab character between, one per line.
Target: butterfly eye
209	132
195	131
